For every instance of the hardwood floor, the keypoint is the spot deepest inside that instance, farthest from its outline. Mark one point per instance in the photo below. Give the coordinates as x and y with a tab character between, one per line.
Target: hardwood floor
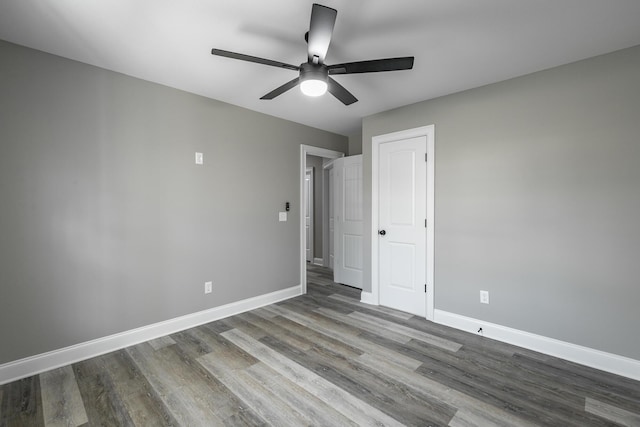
322	359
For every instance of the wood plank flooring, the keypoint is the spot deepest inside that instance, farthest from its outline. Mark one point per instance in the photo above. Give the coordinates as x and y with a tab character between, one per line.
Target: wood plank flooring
322	359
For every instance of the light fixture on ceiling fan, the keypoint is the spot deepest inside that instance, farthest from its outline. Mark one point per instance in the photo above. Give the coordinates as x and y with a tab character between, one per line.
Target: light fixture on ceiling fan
314	75
313	80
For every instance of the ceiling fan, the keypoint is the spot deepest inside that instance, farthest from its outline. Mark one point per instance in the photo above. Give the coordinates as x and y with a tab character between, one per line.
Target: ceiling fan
314	78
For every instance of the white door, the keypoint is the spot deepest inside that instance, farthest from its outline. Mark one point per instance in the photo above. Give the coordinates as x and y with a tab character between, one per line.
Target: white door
332	229
348	220
402	213
308	212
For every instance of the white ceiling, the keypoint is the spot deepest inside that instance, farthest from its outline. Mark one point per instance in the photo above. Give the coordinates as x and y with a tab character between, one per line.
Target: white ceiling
458	44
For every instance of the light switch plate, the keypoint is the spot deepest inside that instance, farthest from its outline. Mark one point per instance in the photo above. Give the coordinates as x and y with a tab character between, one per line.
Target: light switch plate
282	216
199	158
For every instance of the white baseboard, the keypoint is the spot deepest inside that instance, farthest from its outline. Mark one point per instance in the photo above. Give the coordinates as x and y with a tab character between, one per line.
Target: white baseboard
54	359
318	261
367	298
608	362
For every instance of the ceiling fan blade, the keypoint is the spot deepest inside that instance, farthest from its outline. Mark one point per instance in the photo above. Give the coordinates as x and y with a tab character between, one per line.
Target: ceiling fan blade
337	90
320	29
282	89
373	66
255	59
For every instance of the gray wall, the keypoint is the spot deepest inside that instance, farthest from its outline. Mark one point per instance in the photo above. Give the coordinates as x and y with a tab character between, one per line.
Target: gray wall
355	144
538	200
316	163
106	223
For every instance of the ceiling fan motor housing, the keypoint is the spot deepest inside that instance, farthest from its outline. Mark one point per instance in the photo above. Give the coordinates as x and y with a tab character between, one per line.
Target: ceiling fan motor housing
309	71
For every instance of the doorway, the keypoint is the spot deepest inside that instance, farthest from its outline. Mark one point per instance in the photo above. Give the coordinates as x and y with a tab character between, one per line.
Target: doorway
402	219
309	225
328	215
304	151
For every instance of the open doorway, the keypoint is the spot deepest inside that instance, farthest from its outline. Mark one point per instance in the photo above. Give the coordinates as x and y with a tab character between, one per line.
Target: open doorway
324	156
309	210
328	218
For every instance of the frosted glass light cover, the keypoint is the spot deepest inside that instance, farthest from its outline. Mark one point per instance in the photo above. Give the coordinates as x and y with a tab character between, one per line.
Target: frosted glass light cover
313	87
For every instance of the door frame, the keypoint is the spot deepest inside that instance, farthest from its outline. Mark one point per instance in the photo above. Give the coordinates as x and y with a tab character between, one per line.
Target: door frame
429	133
304	151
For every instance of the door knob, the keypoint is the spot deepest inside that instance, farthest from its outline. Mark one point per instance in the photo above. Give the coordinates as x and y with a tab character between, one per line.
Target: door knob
382	232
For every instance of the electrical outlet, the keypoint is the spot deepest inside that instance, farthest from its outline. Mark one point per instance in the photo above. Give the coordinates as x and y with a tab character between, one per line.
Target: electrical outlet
484	297
208	287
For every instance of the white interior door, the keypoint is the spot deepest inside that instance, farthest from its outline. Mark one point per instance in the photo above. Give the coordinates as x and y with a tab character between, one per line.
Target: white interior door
348	220
327	214
332	229
402	214
308	212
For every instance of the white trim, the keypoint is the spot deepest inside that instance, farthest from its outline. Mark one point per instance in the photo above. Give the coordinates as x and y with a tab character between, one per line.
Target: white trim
313	151
318	261
429	132
367	298
431	220
328	164
608	362
65	356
